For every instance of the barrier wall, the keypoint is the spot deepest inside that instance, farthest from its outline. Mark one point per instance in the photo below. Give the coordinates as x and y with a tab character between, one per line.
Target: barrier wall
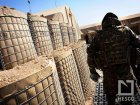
74	34
83	69
16	45
69	77
55	32
44	87
64	33
40	88
40	33
70	33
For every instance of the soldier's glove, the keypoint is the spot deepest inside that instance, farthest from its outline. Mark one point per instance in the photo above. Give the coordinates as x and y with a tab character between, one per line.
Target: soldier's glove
95	76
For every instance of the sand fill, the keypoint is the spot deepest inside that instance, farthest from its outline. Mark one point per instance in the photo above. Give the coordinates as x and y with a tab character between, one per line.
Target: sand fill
24	70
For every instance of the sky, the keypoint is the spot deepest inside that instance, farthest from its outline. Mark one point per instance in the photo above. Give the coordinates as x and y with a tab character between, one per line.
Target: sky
86	11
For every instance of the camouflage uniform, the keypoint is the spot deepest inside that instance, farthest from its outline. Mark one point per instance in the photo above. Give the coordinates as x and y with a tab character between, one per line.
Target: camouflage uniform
110	52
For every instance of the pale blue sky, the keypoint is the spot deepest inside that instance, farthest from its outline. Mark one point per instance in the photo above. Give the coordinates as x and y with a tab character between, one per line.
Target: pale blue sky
86	11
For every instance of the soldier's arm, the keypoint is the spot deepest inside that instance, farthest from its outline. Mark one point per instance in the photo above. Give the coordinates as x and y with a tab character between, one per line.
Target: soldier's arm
90	57
90	60
134	40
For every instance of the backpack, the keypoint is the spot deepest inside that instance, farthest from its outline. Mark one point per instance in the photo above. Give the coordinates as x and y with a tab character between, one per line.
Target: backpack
112	47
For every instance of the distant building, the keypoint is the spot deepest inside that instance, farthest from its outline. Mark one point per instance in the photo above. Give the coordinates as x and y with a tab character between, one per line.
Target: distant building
132	21
62	14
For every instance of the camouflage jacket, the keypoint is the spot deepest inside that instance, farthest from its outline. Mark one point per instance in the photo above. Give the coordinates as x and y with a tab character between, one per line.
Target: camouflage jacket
111	45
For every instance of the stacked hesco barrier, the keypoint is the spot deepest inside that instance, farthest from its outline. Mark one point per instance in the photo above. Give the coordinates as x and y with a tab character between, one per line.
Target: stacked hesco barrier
83	69
70	33
55	33
69	78
41	88
40	33
64	33
74	35
16	45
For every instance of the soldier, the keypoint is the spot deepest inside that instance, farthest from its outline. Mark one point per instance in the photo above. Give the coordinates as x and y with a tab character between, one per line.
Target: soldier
87	39
110	52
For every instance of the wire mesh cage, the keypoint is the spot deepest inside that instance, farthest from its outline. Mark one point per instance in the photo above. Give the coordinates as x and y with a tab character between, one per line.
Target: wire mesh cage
64	33
55	32
70	33
41	88
74	34
40	34
69	78
83	69
84	46
16	45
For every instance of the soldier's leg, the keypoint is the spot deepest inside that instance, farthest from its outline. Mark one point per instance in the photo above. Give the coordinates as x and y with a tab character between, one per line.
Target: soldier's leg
110	90
128	90
111	98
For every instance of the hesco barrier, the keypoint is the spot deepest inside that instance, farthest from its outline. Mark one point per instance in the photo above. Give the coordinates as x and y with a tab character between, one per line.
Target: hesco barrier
83	69
64	33
70	33
69	78
74	34
55	32
41	88
40	33
16	45
84	46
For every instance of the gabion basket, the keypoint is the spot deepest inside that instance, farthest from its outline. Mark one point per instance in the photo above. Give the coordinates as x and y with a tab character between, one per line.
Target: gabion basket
40	33
55	32
69	78
41	88
74	34
70	33
84	46
15	39
83	69
64	33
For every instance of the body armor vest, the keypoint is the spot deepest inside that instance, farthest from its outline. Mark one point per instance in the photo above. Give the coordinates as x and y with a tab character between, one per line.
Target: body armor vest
112	47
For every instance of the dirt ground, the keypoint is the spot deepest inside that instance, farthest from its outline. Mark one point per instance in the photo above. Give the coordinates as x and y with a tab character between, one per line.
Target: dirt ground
22	71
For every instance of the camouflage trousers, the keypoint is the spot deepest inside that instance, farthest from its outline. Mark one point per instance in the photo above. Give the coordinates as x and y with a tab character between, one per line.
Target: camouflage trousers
110	82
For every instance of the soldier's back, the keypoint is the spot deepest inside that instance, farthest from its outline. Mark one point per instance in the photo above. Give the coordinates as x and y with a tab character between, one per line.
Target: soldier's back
112	47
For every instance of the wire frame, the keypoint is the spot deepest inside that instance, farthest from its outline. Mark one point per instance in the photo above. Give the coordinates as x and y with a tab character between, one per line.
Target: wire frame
70	33
41	88
69	78
16	45
64	33
40	34
55	32
74	34
83	69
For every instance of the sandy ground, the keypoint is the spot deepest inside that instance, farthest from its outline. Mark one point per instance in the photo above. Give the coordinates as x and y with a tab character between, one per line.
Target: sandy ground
23	70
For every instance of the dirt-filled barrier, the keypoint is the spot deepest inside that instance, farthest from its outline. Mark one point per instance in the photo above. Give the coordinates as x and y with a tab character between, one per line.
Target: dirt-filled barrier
41	87
40	33
74	34
70	33
83	69
64	33
16	45
55	33
69	78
